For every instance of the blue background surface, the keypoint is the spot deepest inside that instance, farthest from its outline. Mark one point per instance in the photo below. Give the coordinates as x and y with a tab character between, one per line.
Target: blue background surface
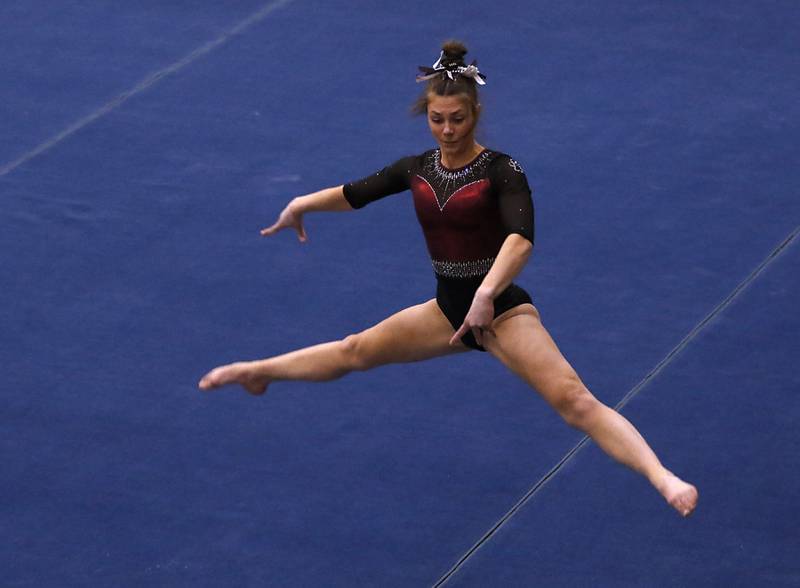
661	141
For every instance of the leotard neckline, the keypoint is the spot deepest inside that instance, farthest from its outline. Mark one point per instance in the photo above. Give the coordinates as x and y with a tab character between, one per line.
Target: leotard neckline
444	168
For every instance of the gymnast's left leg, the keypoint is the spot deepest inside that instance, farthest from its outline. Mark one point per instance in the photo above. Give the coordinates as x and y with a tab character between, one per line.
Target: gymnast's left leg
524	346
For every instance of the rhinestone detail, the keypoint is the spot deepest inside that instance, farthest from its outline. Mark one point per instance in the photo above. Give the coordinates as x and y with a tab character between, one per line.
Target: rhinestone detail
462	269
515	166
445	182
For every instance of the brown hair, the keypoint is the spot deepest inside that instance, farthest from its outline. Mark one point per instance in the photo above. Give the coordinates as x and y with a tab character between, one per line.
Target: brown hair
441	85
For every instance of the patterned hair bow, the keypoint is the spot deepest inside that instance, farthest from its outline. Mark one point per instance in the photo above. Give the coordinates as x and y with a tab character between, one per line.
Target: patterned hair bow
450	70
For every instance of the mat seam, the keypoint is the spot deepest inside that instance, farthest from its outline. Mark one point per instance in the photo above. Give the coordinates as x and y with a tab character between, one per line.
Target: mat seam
621	404
143	85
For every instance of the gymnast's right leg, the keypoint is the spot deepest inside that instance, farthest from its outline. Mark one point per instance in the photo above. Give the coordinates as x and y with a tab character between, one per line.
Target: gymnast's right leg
416	333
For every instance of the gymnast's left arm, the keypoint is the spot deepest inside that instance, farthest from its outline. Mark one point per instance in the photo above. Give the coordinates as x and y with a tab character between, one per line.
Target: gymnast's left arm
512	258
509	262
516	212
515	203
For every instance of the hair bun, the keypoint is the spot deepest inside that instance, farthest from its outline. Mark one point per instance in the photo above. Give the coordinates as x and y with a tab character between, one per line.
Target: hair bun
454	52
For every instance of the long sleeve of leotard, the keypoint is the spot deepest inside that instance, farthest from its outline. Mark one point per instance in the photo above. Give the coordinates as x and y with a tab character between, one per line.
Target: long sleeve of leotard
514	196
390	180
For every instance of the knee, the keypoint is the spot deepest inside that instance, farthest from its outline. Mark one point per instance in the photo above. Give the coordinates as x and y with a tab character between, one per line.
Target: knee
353	349
576	405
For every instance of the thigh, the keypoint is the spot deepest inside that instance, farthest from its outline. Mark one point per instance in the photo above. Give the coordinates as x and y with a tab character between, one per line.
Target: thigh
413	334
524	346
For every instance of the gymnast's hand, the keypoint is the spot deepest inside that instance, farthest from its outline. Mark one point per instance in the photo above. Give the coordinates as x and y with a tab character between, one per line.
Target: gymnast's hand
289	218
479	319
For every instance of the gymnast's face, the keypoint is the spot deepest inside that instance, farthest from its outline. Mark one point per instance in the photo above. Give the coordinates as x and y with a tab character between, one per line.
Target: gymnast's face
452	122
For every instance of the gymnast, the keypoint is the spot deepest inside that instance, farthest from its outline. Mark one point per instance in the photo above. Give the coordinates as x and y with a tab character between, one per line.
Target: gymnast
476	212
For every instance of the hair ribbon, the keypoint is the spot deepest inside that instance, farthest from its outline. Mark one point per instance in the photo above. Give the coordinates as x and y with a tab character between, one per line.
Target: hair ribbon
450	70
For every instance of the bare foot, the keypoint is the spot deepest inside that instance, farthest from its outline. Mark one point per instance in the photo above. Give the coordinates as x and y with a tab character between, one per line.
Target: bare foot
235	373
679	494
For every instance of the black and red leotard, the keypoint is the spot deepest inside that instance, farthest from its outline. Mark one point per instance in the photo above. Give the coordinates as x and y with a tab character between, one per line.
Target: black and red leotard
465	214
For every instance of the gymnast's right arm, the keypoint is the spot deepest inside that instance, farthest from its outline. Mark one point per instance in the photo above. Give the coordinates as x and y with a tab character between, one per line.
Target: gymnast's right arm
389	180
329	199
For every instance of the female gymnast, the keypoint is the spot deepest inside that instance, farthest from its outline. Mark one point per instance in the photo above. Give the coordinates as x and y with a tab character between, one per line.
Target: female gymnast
476	212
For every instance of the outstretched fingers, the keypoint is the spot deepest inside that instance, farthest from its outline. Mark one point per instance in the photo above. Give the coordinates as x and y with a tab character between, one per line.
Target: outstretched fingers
270	230
301	232
288	218
479	319
299	228
462	330
241	373
478	332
